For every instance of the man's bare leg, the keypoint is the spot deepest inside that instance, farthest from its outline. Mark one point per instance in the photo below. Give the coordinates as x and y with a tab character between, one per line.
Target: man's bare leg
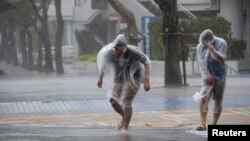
118	108
217	112
127	117
127	108
203	112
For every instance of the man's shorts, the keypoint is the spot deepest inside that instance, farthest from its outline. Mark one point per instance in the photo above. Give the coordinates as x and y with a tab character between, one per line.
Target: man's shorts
218	90
124	93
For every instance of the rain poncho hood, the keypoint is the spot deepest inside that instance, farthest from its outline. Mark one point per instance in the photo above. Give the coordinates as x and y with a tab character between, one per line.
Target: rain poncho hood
207	35
120	40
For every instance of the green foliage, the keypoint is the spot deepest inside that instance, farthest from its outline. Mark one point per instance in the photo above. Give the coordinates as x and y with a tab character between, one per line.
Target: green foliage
21	15
32	68
238	49
86	42
218	25
87	57
34	38
191	32
157	47
192	28
52	42
1	72
81	40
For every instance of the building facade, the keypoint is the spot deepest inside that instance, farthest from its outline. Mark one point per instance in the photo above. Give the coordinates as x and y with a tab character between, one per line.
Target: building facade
81	14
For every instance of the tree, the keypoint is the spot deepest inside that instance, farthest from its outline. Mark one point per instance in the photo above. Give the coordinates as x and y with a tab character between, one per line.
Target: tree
59	35
6	54
8	48
27	20
42	15
3	43
39	52
23	47
21	19
7	22
30	48
12	44
130	19
170	41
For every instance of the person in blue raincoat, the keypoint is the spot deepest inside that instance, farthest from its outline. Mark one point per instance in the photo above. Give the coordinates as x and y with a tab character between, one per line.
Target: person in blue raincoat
211	55
125	65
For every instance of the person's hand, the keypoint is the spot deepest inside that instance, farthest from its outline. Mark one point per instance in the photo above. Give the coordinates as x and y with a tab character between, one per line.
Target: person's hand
99	83
209	45
210	80
146	85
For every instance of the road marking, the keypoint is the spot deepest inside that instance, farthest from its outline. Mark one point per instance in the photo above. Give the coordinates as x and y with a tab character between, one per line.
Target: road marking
199	133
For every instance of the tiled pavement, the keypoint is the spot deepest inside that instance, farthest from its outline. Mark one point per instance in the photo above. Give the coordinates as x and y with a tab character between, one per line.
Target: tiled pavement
98	112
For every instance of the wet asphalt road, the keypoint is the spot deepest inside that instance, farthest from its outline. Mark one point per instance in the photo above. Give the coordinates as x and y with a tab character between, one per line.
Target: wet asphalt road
93	134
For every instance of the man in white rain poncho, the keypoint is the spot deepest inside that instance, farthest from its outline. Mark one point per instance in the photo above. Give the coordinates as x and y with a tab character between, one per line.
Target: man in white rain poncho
125	65
211	54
